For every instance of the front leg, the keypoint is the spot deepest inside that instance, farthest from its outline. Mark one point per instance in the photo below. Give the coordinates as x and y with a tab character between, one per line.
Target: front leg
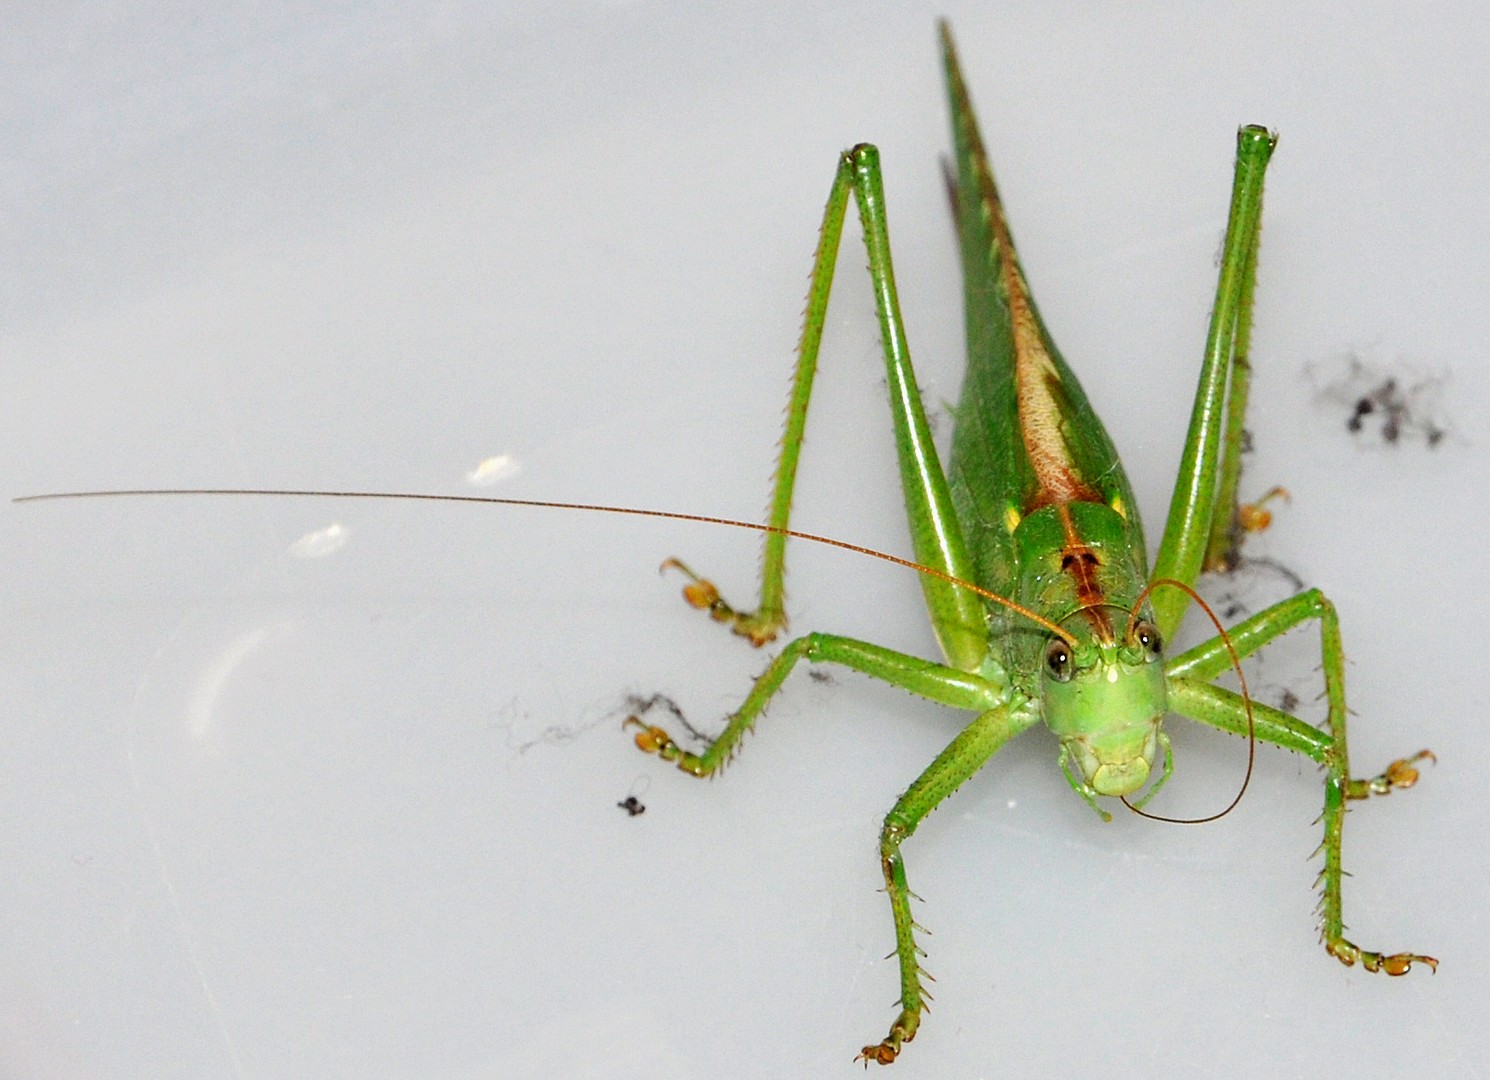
1191	694
964	756
924	678
1401	773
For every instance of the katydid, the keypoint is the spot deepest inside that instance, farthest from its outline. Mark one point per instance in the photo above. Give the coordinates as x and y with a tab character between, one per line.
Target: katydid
1035	507
1031	552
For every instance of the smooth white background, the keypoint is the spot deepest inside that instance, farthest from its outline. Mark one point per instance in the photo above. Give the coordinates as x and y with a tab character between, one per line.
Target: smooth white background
270	815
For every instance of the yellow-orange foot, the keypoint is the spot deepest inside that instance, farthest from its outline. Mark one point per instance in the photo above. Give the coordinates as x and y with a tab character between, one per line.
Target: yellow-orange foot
884	1053
1393	964
703	594
1255	516
651	739
1402	773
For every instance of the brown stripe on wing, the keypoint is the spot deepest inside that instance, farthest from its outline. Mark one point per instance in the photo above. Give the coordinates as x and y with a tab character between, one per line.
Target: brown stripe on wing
1037	382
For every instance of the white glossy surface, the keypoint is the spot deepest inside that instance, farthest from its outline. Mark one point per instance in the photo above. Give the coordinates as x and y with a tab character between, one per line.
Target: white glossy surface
353	813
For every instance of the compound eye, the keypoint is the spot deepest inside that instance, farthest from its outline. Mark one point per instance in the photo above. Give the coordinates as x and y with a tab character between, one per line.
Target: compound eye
1058	660
1146	634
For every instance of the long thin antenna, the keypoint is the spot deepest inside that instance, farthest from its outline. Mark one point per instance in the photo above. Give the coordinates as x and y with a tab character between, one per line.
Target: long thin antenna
545	504
1236	664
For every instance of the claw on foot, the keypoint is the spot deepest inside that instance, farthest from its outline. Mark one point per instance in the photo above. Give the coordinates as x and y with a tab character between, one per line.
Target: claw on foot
1401	963
651	739
1393	963
703	594
1254	517
885	1052
1401	773
700	592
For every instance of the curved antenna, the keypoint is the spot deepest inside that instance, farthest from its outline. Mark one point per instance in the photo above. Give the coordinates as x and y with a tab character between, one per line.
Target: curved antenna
545	504
1236	665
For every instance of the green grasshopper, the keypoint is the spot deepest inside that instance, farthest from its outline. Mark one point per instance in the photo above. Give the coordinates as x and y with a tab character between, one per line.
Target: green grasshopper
1067	624
1031	553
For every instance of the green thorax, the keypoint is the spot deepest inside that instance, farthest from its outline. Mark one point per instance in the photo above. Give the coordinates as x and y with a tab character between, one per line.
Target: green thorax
1072	557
